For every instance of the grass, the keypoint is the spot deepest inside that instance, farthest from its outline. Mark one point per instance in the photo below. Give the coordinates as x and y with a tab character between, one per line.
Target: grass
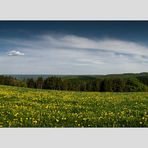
24	107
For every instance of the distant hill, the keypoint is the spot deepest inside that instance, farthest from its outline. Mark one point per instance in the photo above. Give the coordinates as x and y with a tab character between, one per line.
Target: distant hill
82	77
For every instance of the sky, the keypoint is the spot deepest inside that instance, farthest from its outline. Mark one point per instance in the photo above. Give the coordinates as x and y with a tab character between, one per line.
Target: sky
73	47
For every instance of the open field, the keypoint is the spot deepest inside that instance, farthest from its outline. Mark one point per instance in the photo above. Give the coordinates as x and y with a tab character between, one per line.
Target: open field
24	107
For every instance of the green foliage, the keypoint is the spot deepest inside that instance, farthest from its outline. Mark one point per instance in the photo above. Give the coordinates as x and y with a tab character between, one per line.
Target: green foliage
109	83
31	83
133	85
39	82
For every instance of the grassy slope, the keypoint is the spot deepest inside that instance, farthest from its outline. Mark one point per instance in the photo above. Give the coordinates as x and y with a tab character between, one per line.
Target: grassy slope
23	107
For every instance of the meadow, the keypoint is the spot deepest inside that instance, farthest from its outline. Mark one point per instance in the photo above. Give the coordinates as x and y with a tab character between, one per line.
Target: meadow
26	107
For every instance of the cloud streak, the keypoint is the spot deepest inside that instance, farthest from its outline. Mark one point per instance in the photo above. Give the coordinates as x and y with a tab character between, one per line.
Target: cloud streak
70	54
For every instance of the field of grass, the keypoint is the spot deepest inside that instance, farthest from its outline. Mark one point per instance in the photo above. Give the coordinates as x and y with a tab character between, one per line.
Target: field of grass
24	107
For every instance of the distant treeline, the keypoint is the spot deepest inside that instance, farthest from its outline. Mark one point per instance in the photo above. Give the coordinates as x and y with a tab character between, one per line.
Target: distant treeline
110	83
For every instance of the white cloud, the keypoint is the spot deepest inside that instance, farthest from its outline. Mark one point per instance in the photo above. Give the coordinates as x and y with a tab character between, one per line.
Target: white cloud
15	53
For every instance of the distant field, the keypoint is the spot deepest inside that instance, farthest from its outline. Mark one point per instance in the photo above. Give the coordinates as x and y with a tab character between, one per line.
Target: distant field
24	107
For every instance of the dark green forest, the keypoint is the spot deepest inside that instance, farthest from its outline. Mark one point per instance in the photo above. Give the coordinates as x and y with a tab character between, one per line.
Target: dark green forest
101	83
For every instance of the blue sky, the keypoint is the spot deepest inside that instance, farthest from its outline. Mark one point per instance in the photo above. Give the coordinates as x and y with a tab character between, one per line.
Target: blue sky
73	47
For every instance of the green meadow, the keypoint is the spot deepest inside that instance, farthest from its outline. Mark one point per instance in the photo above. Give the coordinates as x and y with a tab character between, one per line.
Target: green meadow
26	107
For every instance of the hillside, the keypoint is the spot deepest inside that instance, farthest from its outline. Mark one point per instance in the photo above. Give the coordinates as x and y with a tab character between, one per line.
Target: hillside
25	107
23	76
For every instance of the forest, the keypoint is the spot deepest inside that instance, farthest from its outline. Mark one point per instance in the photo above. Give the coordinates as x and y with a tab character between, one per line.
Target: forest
102	83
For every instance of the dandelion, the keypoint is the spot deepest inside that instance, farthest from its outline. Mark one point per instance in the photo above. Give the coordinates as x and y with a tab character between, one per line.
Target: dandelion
57	120
16	114
35	122
84	119
46	107
63	118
